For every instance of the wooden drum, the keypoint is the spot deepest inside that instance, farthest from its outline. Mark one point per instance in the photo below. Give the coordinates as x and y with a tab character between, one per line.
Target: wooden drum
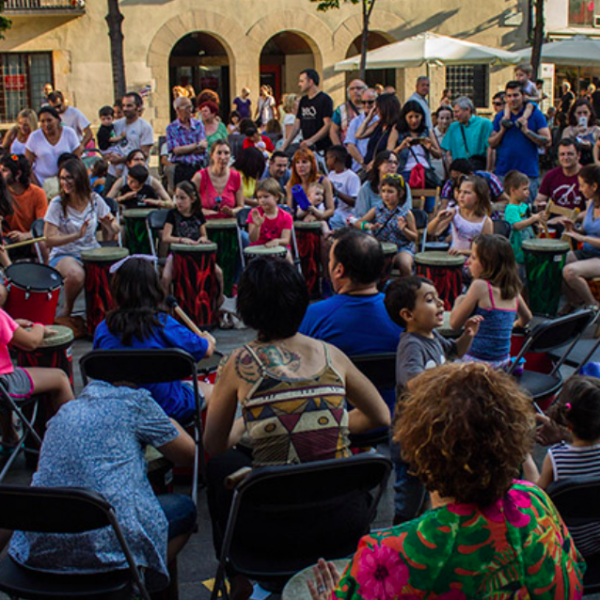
98	298
296	588
445	270
136	230
255	251
544	262
223	232
308	238
389	251
194	282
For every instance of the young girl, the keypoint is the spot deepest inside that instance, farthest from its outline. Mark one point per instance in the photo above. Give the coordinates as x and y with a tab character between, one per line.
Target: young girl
21	383
468	221
268	224
139	321
317	211
495	295
577	409
98	172
233	128
393	222
185	224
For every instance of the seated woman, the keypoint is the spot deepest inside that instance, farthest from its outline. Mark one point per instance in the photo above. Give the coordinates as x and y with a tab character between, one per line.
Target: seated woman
295	378
78	452
70	228
139	322
465	430
414	144
584	264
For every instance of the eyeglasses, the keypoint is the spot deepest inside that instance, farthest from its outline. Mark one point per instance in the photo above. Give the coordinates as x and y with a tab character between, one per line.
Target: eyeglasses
392	161
67	178
360	87
498	103
368	101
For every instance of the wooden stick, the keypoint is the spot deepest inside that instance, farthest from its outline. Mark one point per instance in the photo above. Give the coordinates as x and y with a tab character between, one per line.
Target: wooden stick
25	243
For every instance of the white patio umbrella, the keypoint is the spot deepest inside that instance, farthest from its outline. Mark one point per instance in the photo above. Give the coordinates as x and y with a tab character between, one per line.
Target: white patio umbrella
430	48
578	51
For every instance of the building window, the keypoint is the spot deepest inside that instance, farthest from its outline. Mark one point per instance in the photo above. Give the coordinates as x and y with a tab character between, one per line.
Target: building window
470	81
22	79
581	12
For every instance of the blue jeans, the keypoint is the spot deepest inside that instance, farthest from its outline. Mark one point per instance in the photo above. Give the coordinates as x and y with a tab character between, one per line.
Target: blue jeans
180	512
409	492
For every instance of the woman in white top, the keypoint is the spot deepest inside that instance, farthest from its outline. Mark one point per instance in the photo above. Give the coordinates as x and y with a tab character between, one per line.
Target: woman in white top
444	116
16	139
47	143
265	109
70	227
290	108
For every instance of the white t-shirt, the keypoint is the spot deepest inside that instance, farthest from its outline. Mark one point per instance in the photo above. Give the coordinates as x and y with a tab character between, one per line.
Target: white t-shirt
290	119
73	222
139	133
347	182
75	119
46	155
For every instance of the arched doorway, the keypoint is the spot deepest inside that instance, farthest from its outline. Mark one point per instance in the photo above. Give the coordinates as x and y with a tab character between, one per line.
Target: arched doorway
382	76
281	60
200	60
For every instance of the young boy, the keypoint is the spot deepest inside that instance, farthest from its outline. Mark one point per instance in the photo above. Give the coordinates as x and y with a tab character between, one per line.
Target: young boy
137	193
413	303
518	212
254	139
345	182
523	74
106	133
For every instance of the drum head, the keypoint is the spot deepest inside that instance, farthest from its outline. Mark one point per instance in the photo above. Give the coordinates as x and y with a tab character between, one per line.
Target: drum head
62	335
389	248
221	223
185	248
439	259
32	276
106	254
546	245
313	225
264	251
137	213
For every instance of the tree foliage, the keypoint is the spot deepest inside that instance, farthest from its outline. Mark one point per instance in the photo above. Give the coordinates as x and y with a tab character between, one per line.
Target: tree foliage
4	22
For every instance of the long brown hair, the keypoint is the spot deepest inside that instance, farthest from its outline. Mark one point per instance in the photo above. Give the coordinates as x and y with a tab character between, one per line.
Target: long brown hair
304	154
483	208
499	265
81	182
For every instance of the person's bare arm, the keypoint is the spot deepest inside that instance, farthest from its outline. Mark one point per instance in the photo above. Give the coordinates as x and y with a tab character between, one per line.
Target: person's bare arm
181	450
334	134
9	138
31	158
292	135
157	186
495	138
87	136
355	154
542	138
547	475
55	238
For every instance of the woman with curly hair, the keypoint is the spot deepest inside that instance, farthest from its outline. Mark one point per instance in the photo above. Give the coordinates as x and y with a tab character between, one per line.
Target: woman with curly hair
465	430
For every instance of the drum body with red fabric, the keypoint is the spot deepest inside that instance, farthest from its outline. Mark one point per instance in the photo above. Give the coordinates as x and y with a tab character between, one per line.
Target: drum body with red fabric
98	297
445	270
308	239
194	282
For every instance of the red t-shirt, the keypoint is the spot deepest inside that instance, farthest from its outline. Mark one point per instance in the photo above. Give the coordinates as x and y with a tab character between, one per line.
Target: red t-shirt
271	229
563	190
248	143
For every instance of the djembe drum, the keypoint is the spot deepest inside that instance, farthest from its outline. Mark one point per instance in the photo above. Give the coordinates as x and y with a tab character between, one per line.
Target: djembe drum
223	232
308	239
194	282
389	251
98	298
544	262
445	271
255	251
136	230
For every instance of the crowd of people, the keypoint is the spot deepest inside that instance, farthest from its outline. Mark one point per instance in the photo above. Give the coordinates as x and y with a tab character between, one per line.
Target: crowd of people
462	432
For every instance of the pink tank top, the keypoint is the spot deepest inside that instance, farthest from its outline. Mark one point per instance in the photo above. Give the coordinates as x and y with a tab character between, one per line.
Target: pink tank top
464	232
213	201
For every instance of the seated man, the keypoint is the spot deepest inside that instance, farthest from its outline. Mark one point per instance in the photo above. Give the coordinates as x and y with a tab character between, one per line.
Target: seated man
277	168
355	319
78	452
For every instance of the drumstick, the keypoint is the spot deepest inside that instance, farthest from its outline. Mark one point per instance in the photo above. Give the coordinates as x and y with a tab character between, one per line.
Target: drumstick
172	304
25	243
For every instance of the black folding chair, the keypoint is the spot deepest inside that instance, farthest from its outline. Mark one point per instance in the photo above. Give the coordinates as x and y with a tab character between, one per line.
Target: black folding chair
293	494
18	406
240	219
65	511
421	220
545	337
37	231
577	500
141	367
502	228
155	221
380	370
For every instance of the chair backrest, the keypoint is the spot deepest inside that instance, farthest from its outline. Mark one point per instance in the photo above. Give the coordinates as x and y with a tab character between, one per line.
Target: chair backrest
577	499
112	204
379	369
419	197
549	335
37	228
561	211
502	228
293	493
242	216
421	218
157	218
137	366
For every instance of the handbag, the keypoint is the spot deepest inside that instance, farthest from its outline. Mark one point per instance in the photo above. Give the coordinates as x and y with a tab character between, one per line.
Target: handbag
478	161
416	181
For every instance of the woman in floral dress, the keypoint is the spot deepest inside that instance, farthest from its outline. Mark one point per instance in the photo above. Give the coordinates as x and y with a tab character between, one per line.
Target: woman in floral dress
465	430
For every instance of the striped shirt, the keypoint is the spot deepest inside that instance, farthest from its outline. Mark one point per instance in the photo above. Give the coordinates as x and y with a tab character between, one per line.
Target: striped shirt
179	135
571	461
494	185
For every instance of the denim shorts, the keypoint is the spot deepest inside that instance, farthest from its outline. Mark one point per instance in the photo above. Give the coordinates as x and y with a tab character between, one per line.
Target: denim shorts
56	259
180	512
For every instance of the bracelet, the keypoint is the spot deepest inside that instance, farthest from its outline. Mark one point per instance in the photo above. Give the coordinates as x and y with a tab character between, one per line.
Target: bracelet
363	225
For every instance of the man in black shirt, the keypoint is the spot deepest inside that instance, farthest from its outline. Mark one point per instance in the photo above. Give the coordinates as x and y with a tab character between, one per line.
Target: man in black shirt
314	114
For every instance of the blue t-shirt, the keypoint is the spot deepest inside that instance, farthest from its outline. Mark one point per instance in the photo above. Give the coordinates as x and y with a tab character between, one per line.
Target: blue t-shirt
516	150
176	399
355	325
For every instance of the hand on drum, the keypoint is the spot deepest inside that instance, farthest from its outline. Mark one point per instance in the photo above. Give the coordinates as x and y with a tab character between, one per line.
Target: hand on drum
272	244
227	210
257	219
578	237
326	580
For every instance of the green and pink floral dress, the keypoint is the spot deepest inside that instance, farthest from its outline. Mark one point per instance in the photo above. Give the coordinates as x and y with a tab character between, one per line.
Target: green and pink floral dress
517	548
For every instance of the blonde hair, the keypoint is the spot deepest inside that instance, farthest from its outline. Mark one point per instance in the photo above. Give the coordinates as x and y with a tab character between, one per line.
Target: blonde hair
315	185
288	102
269	186
32	118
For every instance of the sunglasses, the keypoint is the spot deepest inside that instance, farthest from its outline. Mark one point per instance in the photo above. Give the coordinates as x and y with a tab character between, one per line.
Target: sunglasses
368	101
498	103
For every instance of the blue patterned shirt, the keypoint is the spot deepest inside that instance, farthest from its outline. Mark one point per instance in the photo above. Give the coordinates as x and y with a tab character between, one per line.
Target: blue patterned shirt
97	442
179	135
494	185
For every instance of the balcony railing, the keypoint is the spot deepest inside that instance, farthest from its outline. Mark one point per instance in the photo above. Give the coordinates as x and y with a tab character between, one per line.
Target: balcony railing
40	7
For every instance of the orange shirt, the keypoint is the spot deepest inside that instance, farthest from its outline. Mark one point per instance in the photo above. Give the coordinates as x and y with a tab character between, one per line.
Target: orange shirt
32	204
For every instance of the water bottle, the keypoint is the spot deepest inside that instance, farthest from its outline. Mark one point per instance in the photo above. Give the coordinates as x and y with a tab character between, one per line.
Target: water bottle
299	196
